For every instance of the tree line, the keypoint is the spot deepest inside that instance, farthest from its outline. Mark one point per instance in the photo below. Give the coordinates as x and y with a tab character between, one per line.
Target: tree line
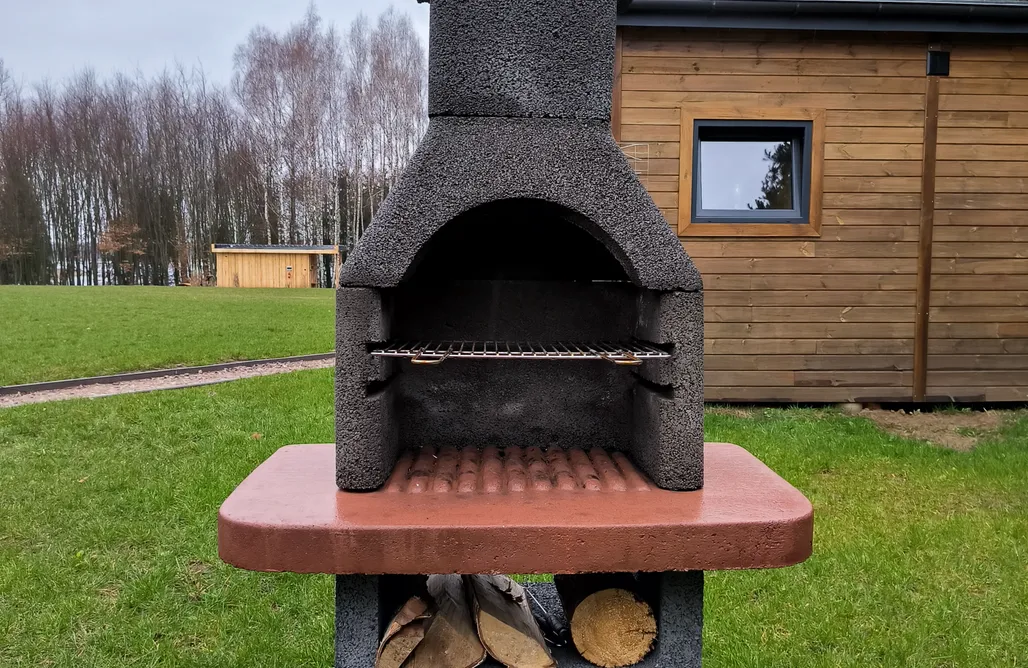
129	180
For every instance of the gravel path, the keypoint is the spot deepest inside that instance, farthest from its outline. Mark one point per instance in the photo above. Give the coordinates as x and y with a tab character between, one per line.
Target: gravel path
166	383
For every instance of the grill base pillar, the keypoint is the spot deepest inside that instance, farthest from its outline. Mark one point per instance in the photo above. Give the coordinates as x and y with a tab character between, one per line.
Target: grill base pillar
358	620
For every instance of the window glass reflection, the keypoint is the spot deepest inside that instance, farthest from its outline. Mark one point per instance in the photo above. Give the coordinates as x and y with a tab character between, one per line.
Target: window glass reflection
746	175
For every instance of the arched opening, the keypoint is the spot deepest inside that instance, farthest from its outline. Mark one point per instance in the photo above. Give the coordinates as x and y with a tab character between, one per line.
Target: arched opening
521	271
517	239
516	270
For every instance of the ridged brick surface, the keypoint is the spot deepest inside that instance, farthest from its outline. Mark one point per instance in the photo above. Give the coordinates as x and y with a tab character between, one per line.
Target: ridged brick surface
511	470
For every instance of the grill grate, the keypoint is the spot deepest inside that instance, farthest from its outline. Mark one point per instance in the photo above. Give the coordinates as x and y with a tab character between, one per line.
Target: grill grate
437	352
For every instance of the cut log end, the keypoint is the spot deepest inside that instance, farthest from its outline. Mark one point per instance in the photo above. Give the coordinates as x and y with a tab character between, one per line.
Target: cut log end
505	623
613	628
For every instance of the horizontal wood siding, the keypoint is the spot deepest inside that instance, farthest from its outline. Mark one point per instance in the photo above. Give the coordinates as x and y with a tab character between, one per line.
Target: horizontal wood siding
978	333
263	270
803	319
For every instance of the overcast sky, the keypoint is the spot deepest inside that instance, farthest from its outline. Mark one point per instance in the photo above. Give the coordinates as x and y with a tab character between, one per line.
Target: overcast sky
56	38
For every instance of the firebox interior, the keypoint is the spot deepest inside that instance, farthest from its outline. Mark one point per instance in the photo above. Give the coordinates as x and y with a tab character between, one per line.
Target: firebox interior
528	273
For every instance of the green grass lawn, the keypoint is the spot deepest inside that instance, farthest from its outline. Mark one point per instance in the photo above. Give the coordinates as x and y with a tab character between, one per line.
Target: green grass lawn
53	333
108	555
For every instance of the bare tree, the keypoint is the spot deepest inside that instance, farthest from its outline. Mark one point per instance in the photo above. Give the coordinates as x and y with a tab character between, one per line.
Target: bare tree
386	97
129	180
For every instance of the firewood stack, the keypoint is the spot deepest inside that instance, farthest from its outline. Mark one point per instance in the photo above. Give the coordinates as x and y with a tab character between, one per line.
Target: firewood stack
460	621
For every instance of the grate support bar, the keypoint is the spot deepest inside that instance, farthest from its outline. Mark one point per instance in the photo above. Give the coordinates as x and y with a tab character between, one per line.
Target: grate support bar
436	352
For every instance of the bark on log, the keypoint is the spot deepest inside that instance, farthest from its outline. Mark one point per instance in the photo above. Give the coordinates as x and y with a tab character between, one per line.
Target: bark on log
405	632
450	639
505	623
612	624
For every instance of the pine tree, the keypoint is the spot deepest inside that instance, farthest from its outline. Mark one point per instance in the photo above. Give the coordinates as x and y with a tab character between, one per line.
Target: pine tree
777	186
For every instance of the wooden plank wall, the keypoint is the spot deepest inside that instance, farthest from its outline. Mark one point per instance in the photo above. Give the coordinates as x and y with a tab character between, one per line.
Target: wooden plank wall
827	319
263	270
978	332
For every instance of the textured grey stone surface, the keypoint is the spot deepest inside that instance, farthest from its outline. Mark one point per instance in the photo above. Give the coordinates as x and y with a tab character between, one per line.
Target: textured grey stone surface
361	318
366	442
464	163
667	436
472	403
516	58
675	319
358	620
680	620
516	311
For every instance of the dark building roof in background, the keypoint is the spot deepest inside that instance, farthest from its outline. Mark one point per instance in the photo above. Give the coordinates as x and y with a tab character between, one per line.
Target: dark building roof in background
240	248
941	16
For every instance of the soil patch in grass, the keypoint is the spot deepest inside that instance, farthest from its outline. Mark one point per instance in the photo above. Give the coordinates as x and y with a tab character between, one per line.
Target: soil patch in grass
731	411
956	430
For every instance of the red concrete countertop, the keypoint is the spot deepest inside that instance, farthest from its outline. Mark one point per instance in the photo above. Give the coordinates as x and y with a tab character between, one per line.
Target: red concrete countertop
432	518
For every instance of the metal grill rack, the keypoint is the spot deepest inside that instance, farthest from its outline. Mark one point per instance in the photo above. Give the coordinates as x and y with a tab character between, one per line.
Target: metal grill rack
437	352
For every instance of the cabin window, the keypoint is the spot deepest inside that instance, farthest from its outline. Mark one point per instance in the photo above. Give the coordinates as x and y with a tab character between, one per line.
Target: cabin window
751	173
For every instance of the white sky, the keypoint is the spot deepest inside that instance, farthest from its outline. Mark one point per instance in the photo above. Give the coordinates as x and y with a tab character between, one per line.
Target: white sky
733	174
53	39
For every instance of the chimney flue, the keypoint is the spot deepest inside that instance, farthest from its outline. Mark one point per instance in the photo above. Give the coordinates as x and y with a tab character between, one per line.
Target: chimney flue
522	59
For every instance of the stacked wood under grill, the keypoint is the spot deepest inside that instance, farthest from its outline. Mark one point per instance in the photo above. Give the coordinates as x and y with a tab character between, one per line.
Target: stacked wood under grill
461	621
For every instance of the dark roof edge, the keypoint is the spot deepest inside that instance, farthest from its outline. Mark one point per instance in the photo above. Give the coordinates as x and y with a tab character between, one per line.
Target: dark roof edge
998	17
263	247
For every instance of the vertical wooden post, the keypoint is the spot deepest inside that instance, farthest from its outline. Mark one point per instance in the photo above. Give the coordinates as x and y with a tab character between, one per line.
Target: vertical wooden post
615	111
338	266
924	251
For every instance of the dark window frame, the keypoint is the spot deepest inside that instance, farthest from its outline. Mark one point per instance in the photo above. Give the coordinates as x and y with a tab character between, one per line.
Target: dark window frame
800	131
680	208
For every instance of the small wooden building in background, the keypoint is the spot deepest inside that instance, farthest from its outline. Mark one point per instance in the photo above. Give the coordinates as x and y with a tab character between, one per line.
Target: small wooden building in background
245	266
895	267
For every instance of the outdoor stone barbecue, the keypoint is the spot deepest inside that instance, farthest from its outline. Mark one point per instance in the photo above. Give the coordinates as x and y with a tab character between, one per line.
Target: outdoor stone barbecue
519	384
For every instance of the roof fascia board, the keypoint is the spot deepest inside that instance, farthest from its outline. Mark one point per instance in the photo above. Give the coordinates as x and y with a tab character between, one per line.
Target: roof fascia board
1004	17
822	23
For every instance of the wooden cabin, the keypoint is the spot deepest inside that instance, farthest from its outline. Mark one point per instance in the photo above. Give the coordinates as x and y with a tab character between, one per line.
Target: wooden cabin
245	266
852	180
